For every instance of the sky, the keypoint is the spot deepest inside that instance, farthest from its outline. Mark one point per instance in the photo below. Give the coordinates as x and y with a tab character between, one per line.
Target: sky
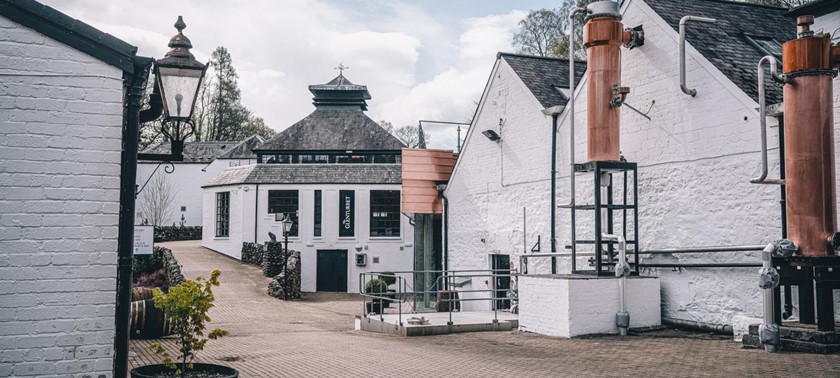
425	60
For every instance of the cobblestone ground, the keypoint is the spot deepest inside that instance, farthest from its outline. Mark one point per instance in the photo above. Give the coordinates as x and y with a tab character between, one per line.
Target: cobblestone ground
314	337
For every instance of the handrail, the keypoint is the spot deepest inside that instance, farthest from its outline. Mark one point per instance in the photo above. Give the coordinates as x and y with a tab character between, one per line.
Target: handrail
683	21
762	119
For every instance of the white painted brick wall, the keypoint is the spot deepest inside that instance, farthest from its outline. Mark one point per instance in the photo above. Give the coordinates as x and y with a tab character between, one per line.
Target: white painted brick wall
395	254
695	158
59	199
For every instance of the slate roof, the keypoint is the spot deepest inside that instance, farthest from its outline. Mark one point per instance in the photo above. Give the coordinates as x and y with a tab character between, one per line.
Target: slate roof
309	174
71	32
244	150
196	152
335	130
725	43
543	76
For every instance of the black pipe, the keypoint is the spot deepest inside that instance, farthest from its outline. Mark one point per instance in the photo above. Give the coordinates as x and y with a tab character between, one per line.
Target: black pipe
724	329
553	201
700	265
788	300
445	232
155	107
136	84
739	248
256	211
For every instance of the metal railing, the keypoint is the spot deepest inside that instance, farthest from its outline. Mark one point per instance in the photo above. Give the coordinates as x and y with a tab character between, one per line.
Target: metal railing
444	282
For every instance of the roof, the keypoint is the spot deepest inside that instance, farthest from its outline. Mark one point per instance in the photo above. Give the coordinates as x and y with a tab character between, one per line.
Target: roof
816	8
196	152
244	150
71	32
333	130
543	76
340	92
309	174
725	44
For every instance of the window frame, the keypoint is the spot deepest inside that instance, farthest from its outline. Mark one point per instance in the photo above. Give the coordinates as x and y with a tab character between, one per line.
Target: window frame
271	207
385	217
222	214
318	218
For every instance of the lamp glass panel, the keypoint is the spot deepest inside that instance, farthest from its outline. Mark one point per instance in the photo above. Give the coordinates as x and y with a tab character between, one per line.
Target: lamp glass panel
179	90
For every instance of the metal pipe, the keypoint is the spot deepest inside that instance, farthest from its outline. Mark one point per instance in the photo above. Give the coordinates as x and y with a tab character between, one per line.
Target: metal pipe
768	332
741	248
571	106
700	265
725	329
683	21
256	212
762	119
622	269
553	206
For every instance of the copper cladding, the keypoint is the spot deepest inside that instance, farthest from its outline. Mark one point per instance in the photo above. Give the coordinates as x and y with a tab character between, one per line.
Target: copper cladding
603	38
809	145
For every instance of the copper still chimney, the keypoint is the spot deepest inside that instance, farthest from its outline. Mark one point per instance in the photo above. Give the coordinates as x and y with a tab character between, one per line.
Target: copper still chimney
603	36
808	63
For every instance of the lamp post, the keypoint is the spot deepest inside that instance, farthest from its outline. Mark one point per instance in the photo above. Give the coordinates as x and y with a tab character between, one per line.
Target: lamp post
287	229
178	78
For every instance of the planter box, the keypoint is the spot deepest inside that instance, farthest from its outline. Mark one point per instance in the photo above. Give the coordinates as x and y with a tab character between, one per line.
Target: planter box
153	371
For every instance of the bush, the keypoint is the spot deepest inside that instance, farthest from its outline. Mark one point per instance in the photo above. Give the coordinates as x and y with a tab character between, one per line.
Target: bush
156	279
376	286
388	277
186	307
147	264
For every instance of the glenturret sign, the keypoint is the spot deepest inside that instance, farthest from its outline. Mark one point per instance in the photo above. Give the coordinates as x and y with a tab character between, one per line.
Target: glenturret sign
347	201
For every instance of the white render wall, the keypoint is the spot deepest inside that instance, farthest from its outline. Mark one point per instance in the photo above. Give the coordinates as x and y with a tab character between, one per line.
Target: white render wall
186	180
695	158
59	202
395	254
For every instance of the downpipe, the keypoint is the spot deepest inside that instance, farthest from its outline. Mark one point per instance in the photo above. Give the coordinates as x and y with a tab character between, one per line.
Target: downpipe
768	279
762	118
571	106
622	270
689	91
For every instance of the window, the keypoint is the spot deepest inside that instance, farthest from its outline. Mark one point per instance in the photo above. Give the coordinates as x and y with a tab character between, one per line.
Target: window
183	209
384	213
285	202
767	46
316	228
222	214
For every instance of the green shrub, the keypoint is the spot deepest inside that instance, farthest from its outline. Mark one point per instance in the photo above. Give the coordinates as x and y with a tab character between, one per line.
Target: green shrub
376	286
388	277
186	306
147	264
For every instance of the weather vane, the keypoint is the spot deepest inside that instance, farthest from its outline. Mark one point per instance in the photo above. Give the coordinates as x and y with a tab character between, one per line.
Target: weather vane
341	67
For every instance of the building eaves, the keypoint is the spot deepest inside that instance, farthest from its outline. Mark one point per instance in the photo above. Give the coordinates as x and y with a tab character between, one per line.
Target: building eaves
71	32
309	174
816	8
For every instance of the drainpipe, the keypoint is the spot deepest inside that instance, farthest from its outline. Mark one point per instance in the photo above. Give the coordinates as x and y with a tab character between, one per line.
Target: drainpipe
136	84
256	211
762	119
554	111
571	105
683	21
441	188
622	270
725	329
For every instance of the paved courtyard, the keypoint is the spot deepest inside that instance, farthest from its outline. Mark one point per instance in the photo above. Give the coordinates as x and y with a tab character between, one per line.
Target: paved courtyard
314	337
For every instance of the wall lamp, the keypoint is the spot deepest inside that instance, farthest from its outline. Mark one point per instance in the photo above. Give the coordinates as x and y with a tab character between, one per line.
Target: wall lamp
492	135
178	77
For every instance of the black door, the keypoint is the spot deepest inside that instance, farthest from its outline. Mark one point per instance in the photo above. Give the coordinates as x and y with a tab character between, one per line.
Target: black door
501	284
331	274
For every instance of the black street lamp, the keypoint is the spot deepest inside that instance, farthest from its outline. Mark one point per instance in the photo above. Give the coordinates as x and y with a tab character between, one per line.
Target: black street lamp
287	229
178	77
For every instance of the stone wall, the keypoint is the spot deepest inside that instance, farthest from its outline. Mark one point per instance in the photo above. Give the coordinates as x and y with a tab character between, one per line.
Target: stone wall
60	142
175	233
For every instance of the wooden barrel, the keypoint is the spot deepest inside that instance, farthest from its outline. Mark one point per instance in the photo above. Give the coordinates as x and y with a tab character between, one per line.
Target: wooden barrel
147	321
142	293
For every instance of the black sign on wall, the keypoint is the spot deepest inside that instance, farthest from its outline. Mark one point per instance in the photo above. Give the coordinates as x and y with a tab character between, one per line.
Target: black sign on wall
346	213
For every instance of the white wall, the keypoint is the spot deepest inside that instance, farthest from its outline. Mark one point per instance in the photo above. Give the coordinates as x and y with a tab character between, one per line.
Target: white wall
59	202
186	180
394	253
696	156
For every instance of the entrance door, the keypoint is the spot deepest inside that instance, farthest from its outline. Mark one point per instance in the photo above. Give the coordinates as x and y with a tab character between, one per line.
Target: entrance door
501	284
331	270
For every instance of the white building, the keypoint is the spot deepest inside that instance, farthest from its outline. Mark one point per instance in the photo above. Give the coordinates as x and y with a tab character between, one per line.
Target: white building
202	161
695	155
64	86
336	173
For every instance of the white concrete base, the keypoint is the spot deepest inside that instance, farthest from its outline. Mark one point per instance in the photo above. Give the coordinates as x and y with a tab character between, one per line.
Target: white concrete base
575	305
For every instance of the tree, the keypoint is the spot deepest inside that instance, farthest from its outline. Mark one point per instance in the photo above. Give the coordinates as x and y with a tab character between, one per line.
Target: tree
544	32
158	198
255	125
410	136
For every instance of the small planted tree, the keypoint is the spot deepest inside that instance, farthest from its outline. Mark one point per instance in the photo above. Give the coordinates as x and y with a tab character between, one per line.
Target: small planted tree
186	306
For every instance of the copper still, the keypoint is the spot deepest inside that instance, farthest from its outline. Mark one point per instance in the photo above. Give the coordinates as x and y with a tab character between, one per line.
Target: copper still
603	36
808	63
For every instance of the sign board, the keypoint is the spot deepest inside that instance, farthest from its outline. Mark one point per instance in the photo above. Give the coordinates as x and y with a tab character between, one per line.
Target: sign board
346	215
144	240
